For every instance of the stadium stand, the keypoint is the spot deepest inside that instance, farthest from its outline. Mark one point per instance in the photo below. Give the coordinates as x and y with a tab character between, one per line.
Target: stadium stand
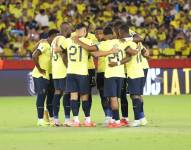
165	25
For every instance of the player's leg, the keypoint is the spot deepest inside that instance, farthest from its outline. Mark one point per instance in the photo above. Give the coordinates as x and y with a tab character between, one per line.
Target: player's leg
135	94
91	73
72	88
104	100
124	103
41	89
49	99
115	109
56	100
136	100
83	82
142	114
111	91
66	102
66	105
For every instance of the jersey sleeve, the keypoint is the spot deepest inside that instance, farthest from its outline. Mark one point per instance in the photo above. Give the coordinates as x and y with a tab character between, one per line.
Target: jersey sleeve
41	47
87	41
131	32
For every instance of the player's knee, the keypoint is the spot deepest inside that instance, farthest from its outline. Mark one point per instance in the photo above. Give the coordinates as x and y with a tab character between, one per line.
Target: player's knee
135	96
84	97
58	92
74	96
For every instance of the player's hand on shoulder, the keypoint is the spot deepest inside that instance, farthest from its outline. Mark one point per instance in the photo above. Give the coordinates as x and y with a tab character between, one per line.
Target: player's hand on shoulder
42	71
112	64
146	53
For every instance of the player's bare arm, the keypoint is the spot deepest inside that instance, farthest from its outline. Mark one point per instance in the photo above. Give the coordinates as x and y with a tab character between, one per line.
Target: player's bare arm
131	51
137	38
35	57
122	62
64	58
84	45
57	49
104	53
145	52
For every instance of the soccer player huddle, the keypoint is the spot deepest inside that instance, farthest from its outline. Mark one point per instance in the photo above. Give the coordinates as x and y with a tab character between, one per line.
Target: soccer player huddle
64	66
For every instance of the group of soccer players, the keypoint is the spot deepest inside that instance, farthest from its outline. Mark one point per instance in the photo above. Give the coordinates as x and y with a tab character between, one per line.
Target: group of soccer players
64	66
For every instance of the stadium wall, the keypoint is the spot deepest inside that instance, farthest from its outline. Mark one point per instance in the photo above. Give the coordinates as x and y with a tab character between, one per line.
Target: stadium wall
168	77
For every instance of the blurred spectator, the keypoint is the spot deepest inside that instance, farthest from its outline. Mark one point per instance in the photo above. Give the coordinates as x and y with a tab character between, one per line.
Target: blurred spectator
42	18
164	25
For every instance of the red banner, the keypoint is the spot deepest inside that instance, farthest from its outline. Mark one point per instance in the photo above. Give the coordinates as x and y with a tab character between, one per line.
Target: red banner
160	63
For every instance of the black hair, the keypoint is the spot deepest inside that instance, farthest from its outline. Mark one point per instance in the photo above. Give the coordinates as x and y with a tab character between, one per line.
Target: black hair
42	11
52	32
117	23
107	30
44	27
124	28
80	25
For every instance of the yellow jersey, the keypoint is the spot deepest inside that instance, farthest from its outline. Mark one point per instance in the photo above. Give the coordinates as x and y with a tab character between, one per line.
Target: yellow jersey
94	40
101	64
134	66
117	71
77	56
58	66
44	60
144	60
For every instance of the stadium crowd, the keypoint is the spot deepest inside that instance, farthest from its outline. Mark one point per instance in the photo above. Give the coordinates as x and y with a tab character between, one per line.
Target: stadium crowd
165	25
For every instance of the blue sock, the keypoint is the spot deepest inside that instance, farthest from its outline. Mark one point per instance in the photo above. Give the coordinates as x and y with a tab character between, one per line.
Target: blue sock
74	105
86	108
90	101
124	106
105	105
141	114
115	114
136	108
66	103
40	105
56	105
49	101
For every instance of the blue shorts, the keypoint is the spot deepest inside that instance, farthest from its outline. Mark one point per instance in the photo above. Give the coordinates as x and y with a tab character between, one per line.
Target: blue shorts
60	84
113	86
41	85
135	86
77	83
100	80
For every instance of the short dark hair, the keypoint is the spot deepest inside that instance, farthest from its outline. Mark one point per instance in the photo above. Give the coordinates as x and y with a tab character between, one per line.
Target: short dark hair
42	11
80	25
107	30
124	27
117	23
52	32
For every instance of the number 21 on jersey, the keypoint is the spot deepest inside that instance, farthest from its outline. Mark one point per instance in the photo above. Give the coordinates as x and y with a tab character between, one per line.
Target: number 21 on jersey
75	53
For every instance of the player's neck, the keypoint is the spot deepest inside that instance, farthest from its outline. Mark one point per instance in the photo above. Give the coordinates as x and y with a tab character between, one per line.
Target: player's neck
49	41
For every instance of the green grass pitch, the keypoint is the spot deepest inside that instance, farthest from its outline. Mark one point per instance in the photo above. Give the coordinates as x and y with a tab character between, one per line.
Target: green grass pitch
169	128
